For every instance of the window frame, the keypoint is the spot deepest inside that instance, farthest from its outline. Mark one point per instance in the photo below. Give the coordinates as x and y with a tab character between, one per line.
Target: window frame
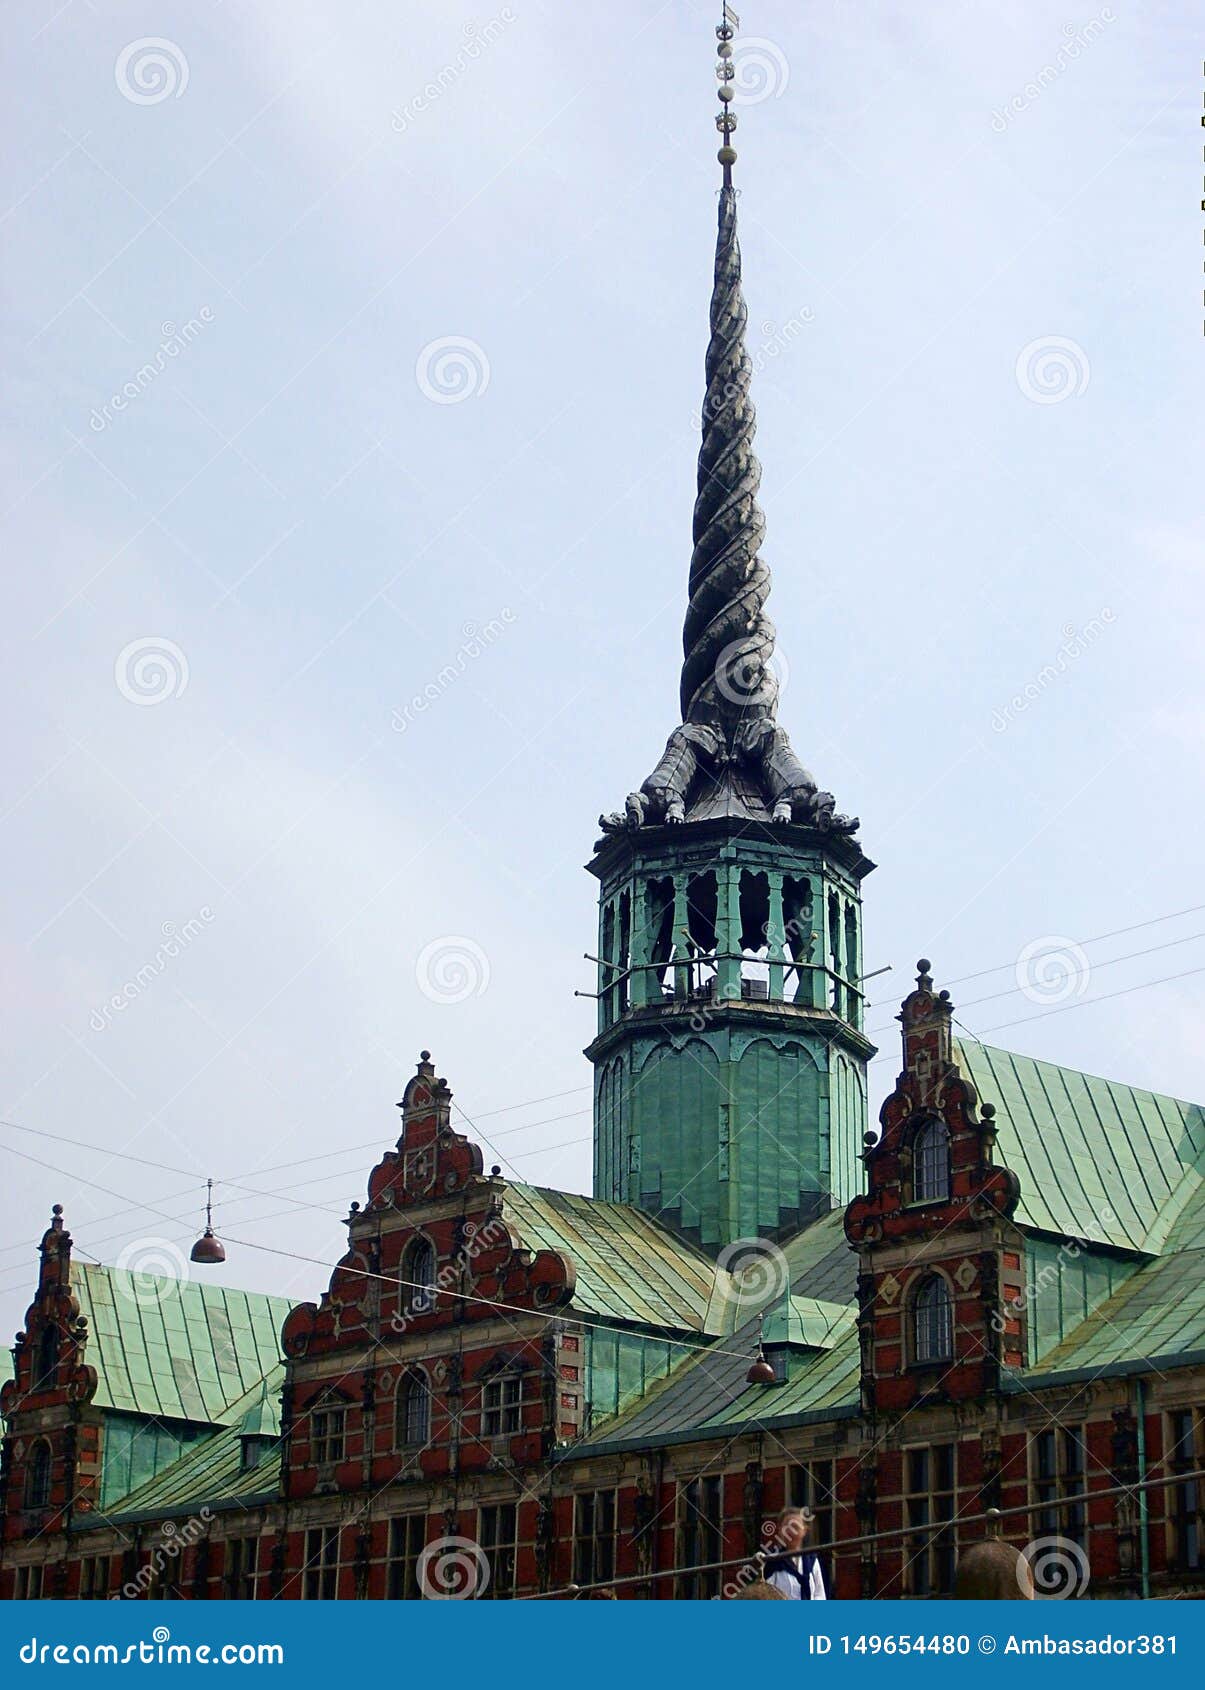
498	1536
413	1381
94	1575
29	1581
240	1568
419	1289
813	1485
596	1535
1185	1513
931	1177
407	1539
502	1405
328	1442
924	1355
929	1508
39	1477
320	1571
700	1536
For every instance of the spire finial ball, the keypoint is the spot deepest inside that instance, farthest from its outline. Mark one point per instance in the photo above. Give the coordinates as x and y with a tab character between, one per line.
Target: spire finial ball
424	1056
924	965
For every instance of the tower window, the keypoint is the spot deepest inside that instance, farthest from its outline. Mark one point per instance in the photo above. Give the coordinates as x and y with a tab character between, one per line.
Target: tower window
37	1477
48	1358
414	1410
327	1432
931	1163
933	1321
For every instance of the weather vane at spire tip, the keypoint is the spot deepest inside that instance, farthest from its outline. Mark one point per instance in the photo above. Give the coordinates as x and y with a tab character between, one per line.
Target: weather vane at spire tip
725	120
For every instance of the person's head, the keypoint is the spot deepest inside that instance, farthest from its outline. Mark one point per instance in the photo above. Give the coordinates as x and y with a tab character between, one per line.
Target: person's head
993	1572
757	1590
792	1528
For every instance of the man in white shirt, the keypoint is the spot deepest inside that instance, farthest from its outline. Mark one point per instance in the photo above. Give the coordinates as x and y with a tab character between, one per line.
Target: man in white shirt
793	1570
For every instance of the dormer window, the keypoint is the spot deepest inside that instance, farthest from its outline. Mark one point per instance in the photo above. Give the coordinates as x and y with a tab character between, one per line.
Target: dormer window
932	1321
931	1162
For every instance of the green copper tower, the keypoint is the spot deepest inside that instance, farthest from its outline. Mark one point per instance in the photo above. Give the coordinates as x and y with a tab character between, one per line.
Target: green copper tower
730	1058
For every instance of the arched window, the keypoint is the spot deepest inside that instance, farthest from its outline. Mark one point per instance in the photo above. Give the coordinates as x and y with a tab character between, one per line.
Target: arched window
932	1321
931	1162
418	1276
48	1358
414	1410
37	1477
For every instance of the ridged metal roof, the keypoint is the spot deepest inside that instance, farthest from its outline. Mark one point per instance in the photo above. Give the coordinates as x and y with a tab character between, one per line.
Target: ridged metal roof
1097	1160
175	1349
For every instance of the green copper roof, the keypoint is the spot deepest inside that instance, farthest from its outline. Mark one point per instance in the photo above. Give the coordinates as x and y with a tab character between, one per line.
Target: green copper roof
211	1472
628	1267
1097	1160
708	1392
175	1349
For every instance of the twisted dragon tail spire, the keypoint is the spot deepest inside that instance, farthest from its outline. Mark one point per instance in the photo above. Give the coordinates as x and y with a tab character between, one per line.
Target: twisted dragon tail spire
727	638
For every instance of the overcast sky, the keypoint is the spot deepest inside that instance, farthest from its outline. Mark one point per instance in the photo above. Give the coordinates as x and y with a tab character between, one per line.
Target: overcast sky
354	352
